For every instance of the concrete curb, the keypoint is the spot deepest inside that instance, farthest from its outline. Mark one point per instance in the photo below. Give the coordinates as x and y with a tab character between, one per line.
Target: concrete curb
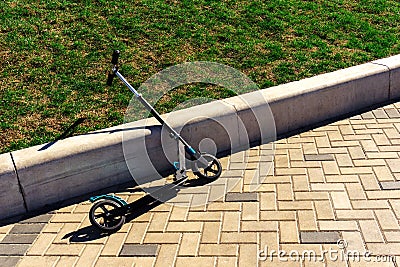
43	175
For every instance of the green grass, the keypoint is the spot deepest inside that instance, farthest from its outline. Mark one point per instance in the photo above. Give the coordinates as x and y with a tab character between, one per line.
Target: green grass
54	53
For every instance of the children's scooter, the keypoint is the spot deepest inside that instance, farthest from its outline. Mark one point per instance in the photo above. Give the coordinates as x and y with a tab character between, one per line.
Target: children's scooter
108	212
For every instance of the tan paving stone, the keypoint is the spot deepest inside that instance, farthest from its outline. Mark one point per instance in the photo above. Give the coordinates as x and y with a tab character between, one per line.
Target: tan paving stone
211	232
226	261
394	164
184	226
369	146
158	222
309	148
250	211
65	250
338	225
369	204
356	170
392	133
261	226
248	255
189	245
115	261
284	192
344	160
269	240
354	241
392	236
332	150
316	175
6	228
345	143
311	195
41	244
296	154
307	220
382	155
38	261
340	200
355	214
291	171
278	215
268	201
369	162
395	205
295	205
239	238
383	194
348	178
370	230
369	182
356	152
357	137
300	183
384	249
231	221
178	213
355	191
226	206
335	136
330	168
387	220
266	188
89	255
137	233
324	210
162	238
322	141
197	261
204	216
281	161
327	187
166	255
113	244
382	173
302	247
288	232
67	261
218	250
52	227
305	164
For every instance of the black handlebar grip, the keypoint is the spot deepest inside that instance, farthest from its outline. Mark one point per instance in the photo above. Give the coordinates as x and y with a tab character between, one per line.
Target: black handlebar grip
115	57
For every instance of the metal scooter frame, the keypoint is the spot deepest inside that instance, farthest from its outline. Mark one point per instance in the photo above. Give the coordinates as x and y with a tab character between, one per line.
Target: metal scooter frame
114	218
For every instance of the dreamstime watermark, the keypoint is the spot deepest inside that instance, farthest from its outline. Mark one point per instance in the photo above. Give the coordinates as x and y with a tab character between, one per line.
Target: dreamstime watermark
341	253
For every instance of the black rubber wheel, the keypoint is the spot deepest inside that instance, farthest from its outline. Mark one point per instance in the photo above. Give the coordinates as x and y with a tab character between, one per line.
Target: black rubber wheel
212	171
100	216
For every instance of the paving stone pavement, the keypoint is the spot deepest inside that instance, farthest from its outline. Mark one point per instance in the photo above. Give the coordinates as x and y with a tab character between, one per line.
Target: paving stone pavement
332	192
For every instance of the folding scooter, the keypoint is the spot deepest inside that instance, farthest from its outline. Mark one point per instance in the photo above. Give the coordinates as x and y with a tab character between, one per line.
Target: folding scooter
108	212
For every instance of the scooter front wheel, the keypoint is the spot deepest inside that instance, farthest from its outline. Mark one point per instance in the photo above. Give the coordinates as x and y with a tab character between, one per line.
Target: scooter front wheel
100	215
212	171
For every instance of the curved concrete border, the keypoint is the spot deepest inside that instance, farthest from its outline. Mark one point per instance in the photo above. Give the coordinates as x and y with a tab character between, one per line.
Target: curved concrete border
42	175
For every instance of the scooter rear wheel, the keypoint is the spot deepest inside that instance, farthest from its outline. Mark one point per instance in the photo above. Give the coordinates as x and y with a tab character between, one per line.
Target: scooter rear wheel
212	171
101	217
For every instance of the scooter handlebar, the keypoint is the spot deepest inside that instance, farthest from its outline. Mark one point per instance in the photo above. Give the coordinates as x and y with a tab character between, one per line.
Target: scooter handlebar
114	61
115	57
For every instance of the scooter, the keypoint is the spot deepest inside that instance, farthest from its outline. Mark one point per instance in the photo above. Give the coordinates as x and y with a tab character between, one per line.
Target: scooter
108	212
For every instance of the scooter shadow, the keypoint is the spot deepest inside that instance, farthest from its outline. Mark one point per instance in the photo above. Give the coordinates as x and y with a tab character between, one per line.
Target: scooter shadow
90	233
136	209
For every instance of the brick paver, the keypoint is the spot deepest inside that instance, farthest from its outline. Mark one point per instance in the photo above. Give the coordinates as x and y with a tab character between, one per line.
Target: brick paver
338	181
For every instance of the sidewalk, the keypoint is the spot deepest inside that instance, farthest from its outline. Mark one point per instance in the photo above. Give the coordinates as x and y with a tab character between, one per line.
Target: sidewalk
336	182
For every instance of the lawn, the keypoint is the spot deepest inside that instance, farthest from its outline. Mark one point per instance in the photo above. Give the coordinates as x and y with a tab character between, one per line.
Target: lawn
55	53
